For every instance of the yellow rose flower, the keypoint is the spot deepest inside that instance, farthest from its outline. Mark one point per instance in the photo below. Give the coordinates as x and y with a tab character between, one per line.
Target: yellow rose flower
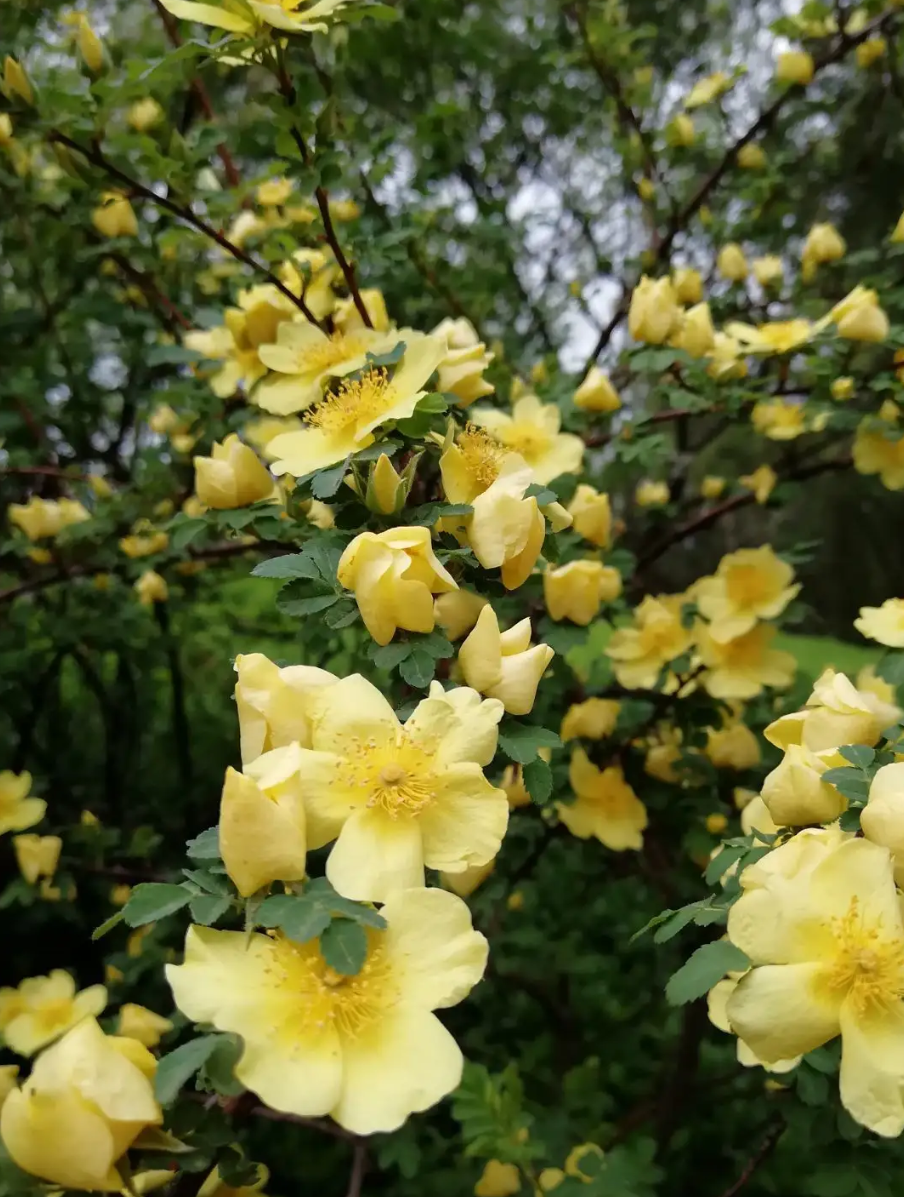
237	342
503	665
838	906
120	894
143	1025
654	312
18	811
461	371
794	792
304	358
768	270
664	754
532	431
731	263
605	807
40	519
870	51
259	434
795	66
657	636
875	453
144	542
717	1006
115	217
596	393
842	389
823	244
885	623
576	591
858	317
37	855
394	575
687	284
726	361
697	335
498	1180
233	476
262	821
836	713
712	486
151	588
275	705
90	47
464	884
249	17
43	1008
882	819
347	318
365	1049
457	612
592	719
742	666
749	585
777	336
650	493
145	114
708	89
15	81
732	746
345	420
751	156
399	798
680	131
87	1099
591	515
762	482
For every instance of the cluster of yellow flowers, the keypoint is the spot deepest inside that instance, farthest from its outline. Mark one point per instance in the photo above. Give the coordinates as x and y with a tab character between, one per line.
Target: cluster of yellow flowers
36	855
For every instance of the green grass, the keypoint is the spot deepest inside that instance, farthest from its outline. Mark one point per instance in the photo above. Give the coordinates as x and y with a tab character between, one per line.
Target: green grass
815	653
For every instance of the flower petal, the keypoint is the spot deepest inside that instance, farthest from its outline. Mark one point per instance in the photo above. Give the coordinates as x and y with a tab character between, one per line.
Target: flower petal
782	1010
376	855
872	1068
435	955
466	823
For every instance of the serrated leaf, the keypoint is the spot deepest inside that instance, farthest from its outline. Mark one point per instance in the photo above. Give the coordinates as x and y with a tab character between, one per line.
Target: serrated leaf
205	846
152	900
521	742
388	656
722	861
700	973
325	483
185	532
343	613
858	754
300	916
320	890
541	493
891	668
538	780
207	908
292	565
343	946
177	1067
291	601
418	667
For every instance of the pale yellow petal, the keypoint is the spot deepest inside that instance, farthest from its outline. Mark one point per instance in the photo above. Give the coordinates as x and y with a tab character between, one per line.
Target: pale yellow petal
435	955
465	824
783	1010
375	855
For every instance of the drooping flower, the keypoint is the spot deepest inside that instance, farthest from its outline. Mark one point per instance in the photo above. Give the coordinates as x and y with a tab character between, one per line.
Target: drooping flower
394	575
858	316
821	923
591	514
532	431
87	1100
346	419
654	313
749	585
605	807
461	372
457	612
367	1048
504	665
696	335
396	798
836	713
43	1008
795	793
18	811
305	357
37	855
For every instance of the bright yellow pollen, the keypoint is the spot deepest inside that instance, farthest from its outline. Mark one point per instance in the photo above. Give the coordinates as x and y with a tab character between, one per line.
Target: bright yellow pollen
396	777
355	401
329	353
323	997
482	455
748	585
868	966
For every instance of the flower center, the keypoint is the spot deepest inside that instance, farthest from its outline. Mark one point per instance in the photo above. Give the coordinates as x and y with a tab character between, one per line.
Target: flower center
326	997
748	586
482	455
526	439
869	965
396	777
52	1012
320	358
357	400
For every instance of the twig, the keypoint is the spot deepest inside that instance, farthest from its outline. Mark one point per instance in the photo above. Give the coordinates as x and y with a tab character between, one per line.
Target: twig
765	1150
96	158
44	471
359	1165
151	290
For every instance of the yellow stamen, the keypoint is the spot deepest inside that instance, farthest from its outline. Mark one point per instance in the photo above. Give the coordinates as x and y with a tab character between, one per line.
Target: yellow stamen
869	965
354	401
482	455
396	777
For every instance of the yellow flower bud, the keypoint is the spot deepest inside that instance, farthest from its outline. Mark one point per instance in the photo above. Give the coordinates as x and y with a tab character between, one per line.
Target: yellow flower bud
37	855
680	131
87	1099
457	612
498	1180
233	476
40	556
90	47
262	821
120	894
115	217
151	588
859	317
716	823
646	189
592	719
596	393
274	192
654	312
712	486
344	209
503	665
576	591
707	89
591	515
823	244
795	66
762	482
768	270
515	900
751	156
650	493
550	1178
842	388
15	81
795	793
688	284
137	1022
145	114
394	575
386	491
697	335
347	318
6	129
870	51
731	263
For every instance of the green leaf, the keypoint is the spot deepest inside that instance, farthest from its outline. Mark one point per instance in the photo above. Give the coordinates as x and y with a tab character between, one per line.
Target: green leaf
107	925
207	908
538	780
541	493
418	667
723	860
700	973
291	602
218	1070
858	754
391	357
849	782
388	656
343	613
320	889
522	742
292	565
671	927
185	532
205	846
344	946
176	1067
891	668
300	916
154	900
325	483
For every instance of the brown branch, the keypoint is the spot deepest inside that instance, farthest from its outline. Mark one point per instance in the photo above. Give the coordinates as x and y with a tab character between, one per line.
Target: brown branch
172	32
151	290
764	1151
44	471
96	158
359	1165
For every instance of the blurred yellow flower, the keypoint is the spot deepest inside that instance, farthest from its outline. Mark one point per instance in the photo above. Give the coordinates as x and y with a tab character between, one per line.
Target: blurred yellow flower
232	476
605	807
712	486
596	393
43	1008
145	114
18	811
732	264
708	89
137	1022
687	284
115	217
592	719
591	515
836	713
457	612
842	389
751	156
768	270
795	66
654	313
40	519
749	585
532	431
250	17
885	623
504	665
640	652
498	1180
762	482
777	336
37	855
151	588
576	591
650	493
742	666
